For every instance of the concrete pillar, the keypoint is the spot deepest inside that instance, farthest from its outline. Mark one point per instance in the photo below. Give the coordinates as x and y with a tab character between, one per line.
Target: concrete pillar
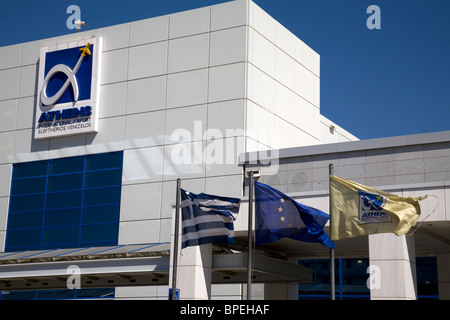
194	268
194	273
257	291
443	271
392	267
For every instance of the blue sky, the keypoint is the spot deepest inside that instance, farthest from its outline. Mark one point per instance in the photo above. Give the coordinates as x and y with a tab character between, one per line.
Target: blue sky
374	83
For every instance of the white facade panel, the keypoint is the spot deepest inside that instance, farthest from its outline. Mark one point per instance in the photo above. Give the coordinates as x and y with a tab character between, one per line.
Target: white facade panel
190	22
6	146
262	21
5	182
184	160
149	30
25	109
227	82
285	69
188	53
142	165
147	94
227	118
115	65
67	146
261	88
136	207
27	85
109	138
141	231
221	156
28	149
261	52
144	130
221	185
117	36
261	125
228	46
185	124
147	60
9	82
229	14
9	112
4	204
187	88
31	50
11	56
113	100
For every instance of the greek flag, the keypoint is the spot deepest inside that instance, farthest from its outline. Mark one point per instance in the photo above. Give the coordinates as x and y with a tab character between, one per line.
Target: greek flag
207	218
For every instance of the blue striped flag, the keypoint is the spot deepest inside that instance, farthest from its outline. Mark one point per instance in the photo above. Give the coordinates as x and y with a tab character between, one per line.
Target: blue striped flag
207	218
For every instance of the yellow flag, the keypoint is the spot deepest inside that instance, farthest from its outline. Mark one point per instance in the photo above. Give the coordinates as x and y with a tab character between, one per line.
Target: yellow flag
358	210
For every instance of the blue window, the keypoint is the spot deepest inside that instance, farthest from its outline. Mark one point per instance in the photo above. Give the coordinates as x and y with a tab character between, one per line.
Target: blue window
351	279
65	203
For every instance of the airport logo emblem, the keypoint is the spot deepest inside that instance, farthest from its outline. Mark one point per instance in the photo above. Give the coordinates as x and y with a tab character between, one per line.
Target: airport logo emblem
68	89
371	208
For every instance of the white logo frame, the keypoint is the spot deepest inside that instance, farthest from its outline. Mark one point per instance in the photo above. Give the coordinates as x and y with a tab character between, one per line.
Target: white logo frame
77	116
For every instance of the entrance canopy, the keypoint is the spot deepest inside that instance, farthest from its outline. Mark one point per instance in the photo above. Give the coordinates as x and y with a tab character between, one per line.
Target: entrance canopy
129	265
143	264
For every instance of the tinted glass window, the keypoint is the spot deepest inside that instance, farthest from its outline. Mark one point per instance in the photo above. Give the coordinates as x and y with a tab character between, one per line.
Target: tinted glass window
26	203
67	165
100	214
65	182
28	186
62	217
30	169
67	202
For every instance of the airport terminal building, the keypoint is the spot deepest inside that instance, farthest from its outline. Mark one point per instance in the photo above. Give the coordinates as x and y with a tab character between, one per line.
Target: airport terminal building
97	126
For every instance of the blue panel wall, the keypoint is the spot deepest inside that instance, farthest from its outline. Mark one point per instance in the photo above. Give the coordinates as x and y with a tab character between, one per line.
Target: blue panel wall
65	203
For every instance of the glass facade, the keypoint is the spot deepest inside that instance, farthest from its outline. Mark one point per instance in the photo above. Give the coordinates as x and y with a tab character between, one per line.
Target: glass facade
427	278
351	279
65	203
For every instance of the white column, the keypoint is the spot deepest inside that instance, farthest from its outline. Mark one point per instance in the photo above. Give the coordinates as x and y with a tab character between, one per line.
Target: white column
194	273
257	291
392	267
194	268
443	270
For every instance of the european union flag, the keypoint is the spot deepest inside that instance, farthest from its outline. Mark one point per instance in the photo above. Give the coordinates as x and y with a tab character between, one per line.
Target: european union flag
278	216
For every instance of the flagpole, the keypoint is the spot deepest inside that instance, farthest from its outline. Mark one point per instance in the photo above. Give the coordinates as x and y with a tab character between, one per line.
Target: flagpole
250	227
175	242
332	271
